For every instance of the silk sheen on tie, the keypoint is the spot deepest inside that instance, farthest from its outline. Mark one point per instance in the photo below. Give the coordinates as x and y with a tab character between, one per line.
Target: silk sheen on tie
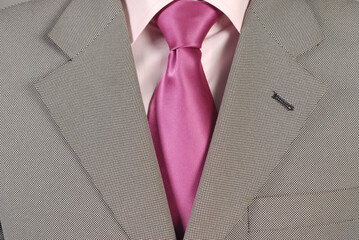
182	113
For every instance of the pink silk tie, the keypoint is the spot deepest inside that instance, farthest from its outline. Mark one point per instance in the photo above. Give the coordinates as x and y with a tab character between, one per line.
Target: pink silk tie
182	113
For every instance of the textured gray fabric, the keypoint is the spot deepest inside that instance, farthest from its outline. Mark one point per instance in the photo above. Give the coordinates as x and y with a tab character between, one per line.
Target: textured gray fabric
1	233
45	193
299	210
74	35
279	18
347	230
8	3
77	161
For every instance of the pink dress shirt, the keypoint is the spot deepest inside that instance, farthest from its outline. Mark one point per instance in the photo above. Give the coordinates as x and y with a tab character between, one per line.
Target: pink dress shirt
150	49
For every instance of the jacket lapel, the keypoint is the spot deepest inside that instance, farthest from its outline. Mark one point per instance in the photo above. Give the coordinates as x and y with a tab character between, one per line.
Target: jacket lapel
254	130
95	100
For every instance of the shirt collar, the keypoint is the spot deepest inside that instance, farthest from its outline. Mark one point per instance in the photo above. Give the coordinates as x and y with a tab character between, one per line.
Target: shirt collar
140	13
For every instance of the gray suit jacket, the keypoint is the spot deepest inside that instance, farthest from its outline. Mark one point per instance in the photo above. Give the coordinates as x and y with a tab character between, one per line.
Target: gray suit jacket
77	160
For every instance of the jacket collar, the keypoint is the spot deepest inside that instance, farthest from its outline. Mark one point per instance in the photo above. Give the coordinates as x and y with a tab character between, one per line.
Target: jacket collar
82	22
96	102
290	23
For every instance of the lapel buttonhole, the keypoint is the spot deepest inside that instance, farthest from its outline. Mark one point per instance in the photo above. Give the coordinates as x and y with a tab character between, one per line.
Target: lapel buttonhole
284	103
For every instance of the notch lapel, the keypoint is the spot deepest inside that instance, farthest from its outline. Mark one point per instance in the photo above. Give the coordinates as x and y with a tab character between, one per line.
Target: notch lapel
254	130
96	102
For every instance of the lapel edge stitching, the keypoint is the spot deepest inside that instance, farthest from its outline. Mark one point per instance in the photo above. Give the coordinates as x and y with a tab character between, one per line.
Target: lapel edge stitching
83	48
322	37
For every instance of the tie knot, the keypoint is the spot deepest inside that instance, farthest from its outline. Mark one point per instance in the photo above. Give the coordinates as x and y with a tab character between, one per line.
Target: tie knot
185	23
